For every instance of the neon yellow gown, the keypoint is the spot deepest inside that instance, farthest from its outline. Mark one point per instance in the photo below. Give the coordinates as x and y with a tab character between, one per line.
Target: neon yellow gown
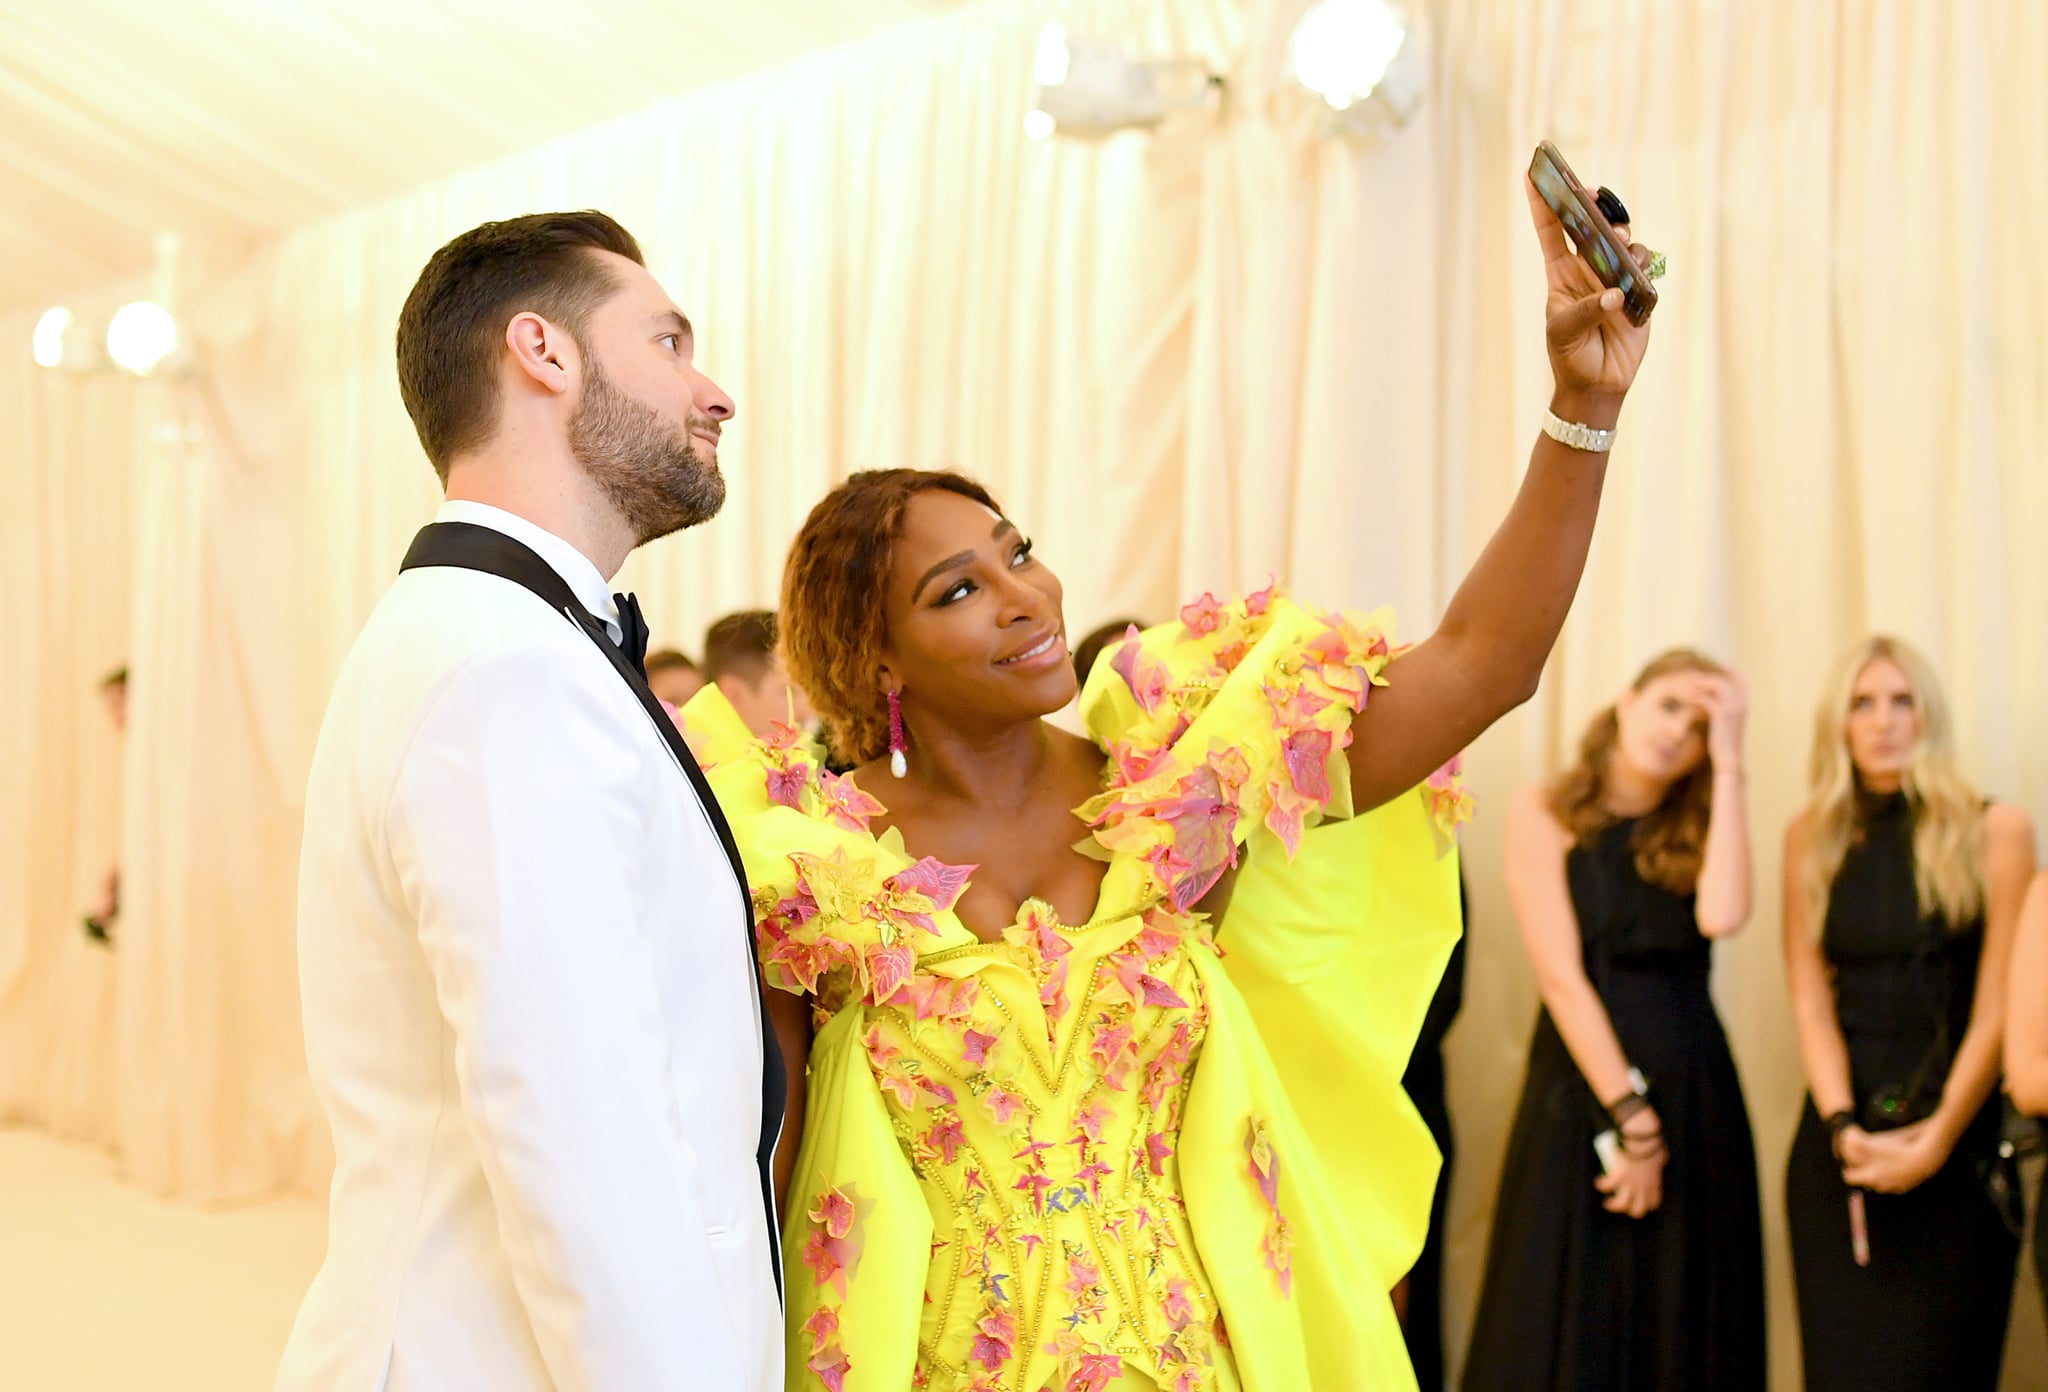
1117	1154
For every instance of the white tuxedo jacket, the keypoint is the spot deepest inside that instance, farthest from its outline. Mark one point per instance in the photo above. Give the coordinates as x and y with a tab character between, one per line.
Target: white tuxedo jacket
532	1016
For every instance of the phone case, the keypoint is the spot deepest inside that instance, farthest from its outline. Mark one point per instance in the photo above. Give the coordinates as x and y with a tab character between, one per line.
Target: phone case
1607	1145
1598	245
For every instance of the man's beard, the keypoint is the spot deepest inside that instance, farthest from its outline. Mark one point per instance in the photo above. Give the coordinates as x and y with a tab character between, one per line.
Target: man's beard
648	466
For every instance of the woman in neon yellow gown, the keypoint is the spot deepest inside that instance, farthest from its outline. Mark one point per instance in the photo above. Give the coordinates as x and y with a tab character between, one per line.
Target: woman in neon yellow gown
1122	1114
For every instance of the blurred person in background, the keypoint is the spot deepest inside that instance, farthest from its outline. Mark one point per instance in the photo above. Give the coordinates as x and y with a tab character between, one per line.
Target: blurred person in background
1627	1246
1100	637
741	661
673	678
101	918
1902	889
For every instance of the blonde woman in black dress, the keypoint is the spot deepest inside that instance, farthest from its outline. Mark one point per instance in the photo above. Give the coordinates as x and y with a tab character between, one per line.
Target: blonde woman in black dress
1902	890
1632	1262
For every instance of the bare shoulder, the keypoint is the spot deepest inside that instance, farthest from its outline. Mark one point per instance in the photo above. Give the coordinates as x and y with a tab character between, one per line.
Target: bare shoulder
1530	816
1798	834
2006	824
2008	849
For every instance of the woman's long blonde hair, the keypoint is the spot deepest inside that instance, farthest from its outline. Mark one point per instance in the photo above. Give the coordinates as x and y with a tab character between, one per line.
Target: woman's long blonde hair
1671	839
1948	814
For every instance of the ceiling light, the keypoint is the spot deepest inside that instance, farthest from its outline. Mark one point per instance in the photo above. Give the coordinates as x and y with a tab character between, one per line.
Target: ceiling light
1050	67
141	335
49	336
1361	61
1090	87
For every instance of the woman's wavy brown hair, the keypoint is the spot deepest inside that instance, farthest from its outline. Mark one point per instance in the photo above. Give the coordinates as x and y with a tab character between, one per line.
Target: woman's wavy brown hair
832	588
1671	838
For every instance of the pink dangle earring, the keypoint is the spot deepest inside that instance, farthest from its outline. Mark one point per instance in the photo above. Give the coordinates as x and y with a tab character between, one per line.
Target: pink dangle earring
898	765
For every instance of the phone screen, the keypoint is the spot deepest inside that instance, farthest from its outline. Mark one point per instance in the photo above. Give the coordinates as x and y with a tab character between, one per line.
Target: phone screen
1595	243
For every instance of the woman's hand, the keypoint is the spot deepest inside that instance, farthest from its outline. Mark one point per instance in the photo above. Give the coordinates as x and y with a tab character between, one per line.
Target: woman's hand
1892	1162
1594	349
1726	704
1635	1186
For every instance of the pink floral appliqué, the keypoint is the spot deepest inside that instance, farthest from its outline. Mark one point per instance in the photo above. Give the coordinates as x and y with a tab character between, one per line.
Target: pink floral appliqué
1085	1366
943	997
946	1136
842	803
918	891
1143	673
1002	1104
832	1250
1115	1054
788	783
996	1341
1265	1169
974	1046
828	1361
1202	615
1450	805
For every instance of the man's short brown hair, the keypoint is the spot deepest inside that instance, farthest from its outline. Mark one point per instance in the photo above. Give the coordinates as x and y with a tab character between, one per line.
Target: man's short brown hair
742	645
662	659
453	324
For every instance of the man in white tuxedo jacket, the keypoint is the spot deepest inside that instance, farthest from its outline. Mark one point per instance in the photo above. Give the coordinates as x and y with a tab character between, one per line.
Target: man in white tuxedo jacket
531	1006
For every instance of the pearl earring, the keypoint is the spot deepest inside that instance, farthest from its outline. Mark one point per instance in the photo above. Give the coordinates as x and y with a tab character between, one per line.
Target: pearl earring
898	765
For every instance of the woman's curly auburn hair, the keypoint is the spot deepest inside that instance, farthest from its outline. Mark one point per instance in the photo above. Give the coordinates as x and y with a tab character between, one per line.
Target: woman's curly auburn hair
832	586
1671	839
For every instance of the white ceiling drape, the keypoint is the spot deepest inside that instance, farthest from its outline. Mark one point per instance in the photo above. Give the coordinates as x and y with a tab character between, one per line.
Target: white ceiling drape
226	121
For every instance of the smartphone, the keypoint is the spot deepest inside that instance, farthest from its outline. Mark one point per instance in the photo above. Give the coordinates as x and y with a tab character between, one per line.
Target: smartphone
1591	233
1607	1145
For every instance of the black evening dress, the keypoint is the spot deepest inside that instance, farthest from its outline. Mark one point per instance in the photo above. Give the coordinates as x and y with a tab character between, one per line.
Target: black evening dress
1579	1298
1929	1312
1423	1324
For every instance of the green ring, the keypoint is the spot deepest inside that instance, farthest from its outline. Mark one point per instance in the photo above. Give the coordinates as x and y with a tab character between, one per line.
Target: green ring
1656	269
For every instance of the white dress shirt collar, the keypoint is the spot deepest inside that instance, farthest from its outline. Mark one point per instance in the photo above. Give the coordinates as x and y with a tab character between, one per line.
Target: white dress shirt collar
572	565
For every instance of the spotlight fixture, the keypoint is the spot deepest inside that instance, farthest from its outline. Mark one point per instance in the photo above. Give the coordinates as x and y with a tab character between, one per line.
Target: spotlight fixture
141	335
141	338
67	340
1088	87
1360	61
49	336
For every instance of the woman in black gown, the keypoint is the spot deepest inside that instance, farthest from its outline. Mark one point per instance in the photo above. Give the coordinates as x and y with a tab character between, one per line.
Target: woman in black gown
1649	1276
1902	889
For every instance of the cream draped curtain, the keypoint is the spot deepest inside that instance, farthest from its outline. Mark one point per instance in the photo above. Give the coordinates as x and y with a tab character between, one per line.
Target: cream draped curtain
1184	361
68	533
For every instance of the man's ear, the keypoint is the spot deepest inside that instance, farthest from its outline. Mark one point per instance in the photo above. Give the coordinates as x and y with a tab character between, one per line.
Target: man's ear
544	352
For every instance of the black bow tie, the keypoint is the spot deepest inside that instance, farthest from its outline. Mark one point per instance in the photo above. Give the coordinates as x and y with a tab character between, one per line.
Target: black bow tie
633	631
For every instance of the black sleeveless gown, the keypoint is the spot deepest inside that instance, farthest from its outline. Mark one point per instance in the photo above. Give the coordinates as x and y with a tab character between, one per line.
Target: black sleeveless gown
1582	1299
1929	1312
